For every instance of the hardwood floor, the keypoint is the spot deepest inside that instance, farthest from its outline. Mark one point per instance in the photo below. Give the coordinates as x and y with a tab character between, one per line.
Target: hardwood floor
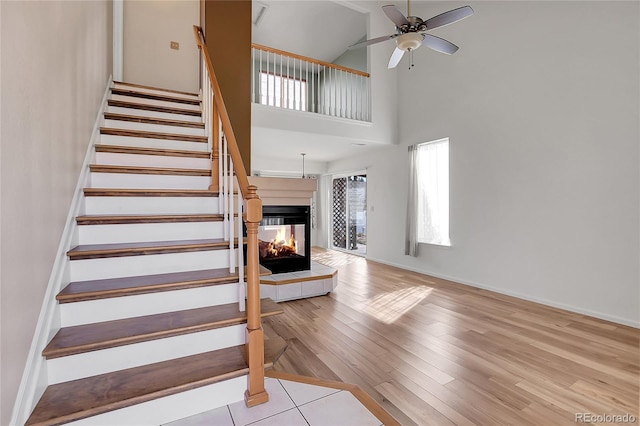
433	352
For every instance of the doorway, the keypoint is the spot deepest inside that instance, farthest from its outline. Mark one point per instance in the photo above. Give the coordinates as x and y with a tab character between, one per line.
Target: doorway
349	213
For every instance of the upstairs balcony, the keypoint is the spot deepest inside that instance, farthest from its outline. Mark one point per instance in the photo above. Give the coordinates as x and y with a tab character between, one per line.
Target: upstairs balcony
286	80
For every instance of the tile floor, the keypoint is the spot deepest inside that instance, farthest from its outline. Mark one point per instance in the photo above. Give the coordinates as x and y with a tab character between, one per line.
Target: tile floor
290	404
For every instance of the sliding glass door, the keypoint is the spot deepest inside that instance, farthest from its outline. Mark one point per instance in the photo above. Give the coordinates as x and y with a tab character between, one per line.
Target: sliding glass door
349	213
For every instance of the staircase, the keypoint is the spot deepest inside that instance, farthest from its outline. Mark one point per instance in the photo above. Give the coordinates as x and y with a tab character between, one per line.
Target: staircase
152	322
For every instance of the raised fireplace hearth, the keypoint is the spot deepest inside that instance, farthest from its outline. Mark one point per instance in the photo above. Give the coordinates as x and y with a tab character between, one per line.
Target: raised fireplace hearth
284	238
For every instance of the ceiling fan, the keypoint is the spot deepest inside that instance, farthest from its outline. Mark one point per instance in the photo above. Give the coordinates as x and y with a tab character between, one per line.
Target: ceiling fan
411	32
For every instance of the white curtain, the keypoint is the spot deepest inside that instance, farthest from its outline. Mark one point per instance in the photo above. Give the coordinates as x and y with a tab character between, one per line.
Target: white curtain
428	202
411	233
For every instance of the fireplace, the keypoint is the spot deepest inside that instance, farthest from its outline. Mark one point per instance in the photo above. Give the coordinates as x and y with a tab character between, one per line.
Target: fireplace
284	238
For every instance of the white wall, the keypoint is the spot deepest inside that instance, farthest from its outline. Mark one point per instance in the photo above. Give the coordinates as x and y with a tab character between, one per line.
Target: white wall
149	28
56	60
541	108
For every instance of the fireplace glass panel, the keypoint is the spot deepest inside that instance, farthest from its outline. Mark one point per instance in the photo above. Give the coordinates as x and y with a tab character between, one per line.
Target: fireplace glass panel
281	241
284	238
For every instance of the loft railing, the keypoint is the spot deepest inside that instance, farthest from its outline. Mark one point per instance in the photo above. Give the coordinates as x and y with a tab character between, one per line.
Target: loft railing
225	159
287	80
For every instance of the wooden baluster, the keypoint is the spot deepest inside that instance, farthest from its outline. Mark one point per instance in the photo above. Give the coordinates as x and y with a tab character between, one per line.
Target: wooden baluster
215	154
254	346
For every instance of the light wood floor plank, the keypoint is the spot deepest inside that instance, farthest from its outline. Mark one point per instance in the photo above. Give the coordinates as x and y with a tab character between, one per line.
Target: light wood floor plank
435	352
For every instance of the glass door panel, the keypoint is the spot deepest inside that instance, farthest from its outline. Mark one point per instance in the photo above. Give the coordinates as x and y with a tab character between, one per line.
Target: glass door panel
349	213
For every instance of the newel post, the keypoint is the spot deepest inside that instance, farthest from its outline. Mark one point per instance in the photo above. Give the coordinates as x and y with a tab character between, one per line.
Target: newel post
254	346
215	153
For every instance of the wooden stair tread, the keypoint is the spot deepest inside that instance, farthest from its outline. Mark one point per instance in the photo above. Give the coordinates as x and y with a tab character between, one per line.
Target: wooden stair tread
97	251
155	108
151	151
156	88
119	192
78	399
99	168
79	291
154	96
152	120
91	337
153	135
133	218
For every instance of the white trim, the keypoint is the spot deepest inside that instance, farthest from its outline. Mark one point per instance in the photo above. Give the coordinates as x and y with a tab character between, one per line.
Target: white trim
546	302
34	376
118	39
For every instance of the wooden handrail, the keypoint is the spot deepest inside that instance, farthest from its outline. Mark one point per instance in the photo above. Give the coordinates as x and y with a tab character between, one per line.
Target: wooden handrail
234	151
254	341
308	59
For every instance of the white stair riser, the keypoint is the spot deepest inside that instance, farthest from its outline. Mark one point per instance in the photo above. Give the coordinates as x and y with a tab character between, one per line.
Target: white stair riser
144	181
148	127
142	160
155	102
115	267
153	143
174	407
92	363
155	114
151	205
130	233
114	308
154	91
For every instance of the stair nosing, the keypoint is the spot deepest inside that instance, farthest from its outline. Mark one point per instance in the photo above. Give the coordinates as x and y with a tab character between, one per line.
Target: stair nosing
154	96
118	149
108	288
102	251
152	120
145	170
156	88
153	135
156	108
122	219
128	192
268	308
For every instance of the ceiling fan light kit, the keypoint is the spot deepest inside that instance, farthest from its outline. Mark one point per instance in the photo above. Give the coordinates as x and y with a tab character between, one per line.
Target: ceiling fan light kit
409	41
411	32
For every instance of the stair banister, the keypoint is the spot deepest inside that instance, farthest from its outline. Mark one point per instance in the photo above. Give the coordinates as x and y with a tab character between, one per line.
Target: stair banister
252	215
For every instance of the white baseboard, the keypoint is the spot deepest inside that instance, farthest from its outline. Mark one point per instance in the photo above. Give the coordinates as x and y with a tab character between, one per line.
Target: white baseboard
554	304
34	376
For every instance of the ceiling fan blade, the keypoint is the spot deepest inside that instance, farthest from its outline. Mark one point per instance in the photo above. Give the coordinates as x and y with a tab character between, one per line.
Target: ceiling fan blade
395	15
439	44
372	41
449	17
395	58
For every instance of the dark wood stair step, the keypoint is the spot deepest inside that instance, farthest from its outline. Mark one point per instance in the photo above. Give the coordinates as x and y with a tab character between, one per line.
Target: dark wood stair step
155	108
99	251
133	218
99	168
152	135
152	120
154	96
92	337
115	149
119	192
156	88
79	399
80	291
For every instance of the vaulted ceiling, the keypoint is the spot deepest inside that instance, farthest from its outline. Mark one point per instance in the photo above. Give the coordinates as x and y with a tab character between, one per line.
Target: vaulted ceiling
318	29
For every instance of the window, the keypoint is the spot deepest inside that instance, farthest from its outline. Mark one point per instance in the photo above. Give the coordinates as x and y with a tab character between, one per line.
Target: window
428	210
283	91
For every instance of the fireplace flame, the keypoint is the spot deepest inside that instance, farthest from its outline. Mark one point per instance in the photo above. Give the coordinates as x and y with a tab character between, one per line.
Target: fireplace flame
280	245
